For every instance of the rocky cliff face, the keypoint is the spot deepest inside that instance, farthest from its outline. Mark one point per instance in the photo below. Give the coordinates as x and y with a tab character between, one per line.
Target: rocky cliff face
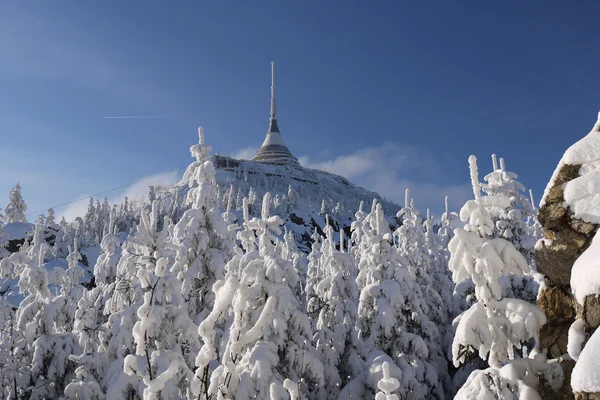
566	238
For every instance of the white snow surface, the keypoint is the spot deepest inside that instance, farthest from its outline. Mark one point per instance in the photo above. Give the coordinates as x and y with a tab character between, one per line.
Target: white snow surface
19	230
582	194
312	185
586	374
576	338
585	275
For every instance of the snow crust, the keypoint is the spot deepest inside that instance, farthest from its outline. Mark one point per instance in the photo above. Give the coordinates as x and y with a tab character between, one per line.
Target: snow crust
582	194
19	230
586	374
585	276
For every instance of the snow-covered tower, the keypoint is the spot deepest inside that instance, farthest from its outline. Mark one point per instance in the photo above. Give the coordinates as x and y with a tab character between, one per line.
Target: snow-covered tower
274	150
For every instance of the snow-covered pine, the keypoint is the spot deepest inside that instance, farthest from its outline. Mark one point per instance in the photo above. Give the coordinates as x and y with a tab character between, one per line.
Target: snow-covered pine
314	273
415	243
164	335
392	315
88	235
269	338
204	242
3	238
494	326
64	236
335	337
289	252
16	208
357	233
514	217
105	270
387	385
43	326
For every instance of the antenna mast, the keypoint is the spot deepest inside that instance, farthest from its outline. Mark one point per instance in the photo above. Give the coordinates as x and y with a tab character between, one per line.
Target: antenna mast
272	89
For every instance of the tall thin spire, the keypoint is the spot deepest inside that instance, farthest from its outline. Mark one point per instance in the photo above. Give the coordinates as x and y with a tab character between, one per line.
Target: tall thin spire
274	150
273	110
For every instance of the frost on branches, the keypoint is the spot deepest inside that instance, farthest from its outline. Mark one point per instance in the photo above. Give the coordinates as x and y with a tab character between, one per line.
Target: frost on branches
514	218
16	207
165	338
335	336
494	326
40	334
392	312
269	338
204	242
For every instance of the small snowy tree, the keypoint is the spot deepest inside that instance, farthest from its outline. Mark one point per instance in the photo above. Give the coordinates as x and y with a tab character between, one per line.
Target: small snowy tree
494	326
105	270
16	208
314	274
515	220
3	238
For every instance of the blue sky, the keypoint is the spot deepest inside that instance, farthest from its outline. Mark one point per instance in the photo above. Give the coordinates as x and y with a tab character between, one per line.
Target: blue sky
388	93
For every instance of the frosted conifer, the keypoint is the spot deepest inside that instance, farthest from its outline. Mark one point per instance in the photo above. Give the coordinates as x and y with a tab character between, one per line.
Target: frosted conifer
269	338
494	326
16	208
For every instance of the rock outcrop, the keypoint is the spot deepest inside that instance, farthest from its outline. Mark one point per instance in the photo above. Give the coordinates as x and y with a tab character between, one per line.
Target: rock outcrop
566	238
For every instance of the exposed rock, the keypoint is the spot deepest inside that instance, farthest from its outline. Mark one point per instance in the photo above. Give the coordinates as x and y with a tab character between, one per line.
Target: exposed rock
589	312
14	245
569	238
556	261
587	396
567	173
557	303
296	219
555	194
554	337
553	216
580	226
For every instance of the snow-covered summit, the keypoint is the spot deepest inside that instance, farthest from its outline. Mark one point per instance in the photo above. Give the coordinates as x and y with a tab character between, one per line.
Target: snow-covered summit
312	186
582	194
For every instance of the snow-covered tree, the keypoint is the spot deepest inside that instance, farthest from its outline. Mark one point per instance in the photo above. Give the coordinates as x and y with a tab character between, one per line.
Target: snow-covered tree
204	242
392	312
314	274
387	385
335	338
494	326
152	339
269	338
64	237
16	208
3	238
44	327
514	218
105	270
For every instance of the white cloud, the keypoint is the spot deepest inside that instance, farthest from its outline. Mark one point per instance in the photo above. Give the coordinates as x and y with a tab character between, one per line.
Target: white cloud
135	191
390	168
245	154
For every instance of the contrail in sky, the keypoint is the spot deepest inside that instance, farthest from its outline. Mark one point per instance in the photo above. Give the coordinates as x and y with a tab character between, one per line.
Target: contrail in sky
142	117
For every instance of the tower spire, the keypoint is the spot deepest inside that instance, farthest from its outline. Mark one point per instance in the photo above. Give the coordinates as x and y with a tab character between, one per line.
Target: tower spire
273	111
274	150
